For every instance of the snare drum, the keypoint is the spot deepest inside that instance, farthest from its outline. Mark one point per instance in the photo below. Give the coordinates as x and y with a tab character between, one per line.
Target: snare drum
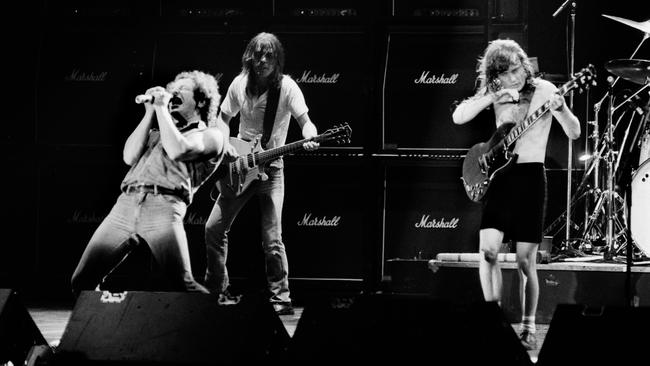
640	211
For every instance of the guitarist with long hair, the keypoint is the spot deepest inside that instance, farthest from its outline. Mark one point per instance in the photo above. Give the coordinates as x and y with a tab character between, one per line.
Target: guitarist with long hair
260	85
514	206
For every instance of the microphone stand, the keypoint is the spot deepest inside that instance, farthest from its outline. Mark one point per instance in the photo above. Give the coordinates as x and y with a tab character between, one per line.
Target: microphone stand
570	142
572	14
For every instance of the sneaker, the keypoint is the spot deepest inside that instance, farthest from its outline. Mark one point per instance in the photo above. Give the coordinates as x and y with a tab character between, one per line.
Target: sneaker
226	298
283	308
528	340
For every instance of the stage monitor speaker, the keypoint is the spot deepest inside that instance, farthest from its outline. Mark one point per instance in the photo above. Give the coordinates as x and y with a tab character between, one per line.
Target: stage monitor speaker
325	216
87	82
427	72
583	335
428	212
332	70
18	332
179	328
405	329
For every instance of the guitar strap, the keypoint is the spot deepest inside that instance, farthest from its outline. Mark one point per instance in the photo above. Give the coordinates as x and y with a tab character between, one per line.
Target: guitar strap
272	100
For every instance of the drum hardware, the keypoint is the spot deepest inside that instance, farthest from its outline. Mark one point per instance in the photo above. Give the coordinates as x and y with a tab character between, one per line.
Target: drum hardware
633	70
590	231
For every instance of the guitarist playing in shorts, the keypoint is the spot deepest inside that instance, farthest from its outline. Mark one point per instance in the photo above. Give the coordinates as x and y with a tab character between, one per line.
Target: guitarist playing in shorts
515	204
259	86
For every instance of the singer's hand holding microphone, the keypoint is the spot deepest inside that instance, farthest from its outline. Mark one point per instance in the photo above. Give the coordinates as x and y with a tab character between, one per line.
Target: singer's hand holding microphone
156	95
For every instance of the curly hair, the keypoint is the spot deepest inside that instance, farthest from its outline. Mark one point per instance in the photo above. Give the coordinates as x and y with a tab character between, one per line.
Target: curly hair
206	89
499	55
264	41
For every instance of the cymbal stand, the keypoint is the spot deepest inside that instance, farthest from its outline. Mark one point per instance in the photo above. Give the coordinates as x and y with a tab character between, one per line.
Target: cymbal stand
609	141
605	201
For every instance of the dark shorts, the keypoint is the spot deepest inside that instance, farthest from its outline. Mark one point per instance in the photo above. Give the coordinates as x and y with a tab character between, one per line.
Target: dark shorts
516	203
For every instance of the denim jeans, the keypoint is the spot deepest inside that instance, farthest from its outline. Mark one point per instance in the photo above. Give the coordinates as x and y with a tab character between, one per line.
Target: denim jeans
154	219
271	197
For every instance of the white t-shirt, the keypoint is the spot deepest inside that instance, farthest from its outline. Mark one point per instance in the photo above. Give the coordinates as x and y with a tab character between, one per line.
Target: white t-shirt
251	119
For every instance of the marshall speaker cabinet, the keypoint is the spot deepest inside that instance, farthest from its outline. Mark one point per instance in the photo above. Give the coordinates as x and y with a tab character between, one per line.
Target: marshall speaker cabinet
324	220
426	73
427	212
86	84
332	71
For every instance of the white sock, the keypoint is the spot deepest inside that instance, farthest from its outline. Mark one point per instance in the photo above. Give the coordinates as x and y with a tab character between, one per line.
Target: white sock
528	324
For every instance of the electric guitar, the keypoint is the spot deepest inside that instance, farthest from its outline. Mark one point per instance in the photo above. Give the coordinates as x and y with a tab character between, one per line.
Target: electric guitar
484	160
236	176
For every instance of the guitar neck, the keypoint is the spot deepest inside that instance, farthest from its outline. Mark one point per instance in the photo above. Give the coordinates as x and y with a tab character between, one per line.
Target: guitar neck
516	132
268	155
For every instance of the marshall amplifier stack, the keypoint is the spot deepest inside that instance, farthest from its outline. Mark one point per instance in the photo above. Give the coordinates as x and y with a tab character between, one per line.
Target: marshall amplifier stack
430	64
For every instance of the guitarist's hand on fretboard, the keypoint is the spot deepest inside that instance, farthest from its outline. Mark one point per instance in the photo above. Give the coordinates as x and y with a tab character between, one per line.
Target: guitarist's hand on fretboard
310	145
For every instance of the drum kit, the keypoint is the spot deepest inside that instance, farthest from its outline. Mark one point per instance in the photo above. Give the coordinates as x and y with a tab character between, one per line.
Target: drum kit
626	180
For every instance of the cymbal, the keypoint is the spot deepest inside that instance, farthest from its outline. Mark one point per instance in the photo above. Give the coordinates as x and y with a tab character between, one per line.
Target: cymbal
634	70
642	26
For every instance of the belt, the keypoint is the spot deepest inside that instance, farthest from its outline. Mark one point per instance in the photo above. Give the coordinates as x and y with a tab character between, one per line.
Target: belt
155	189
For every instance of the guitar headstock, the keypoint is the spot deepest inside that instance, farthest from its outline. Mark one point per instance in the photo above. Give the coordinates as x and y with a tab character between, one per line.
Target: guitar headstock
584	79
340	134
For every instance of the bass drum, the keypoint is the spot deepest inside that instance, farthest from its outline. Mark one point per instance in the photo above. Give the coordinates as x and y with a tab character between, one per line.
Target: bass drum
640	211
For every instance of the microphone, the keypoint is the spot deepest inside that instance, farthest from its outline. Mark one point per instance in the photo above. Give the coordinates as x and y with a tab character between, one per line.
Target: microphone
562	7
144	98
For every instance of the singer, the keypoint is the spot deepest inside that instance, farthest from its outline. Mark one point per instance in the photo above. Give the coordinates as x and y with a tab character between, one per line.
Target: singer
168	165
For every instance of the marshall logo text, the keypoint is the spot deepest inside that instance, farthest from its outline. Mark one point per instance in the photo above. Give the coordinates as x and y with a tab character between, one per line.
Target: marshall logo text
434	79
78	75
307	220
308	78
426	222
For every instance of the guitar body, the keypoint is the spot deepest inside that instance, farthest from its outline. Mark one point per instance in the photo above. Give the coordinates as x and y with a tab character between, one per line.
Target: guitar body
237	176
484	160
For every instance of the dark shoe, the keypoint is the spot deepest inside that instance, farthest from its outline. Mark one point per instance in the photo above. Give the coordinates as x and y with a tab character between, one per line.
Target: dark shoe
226	298
528	340
283	308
